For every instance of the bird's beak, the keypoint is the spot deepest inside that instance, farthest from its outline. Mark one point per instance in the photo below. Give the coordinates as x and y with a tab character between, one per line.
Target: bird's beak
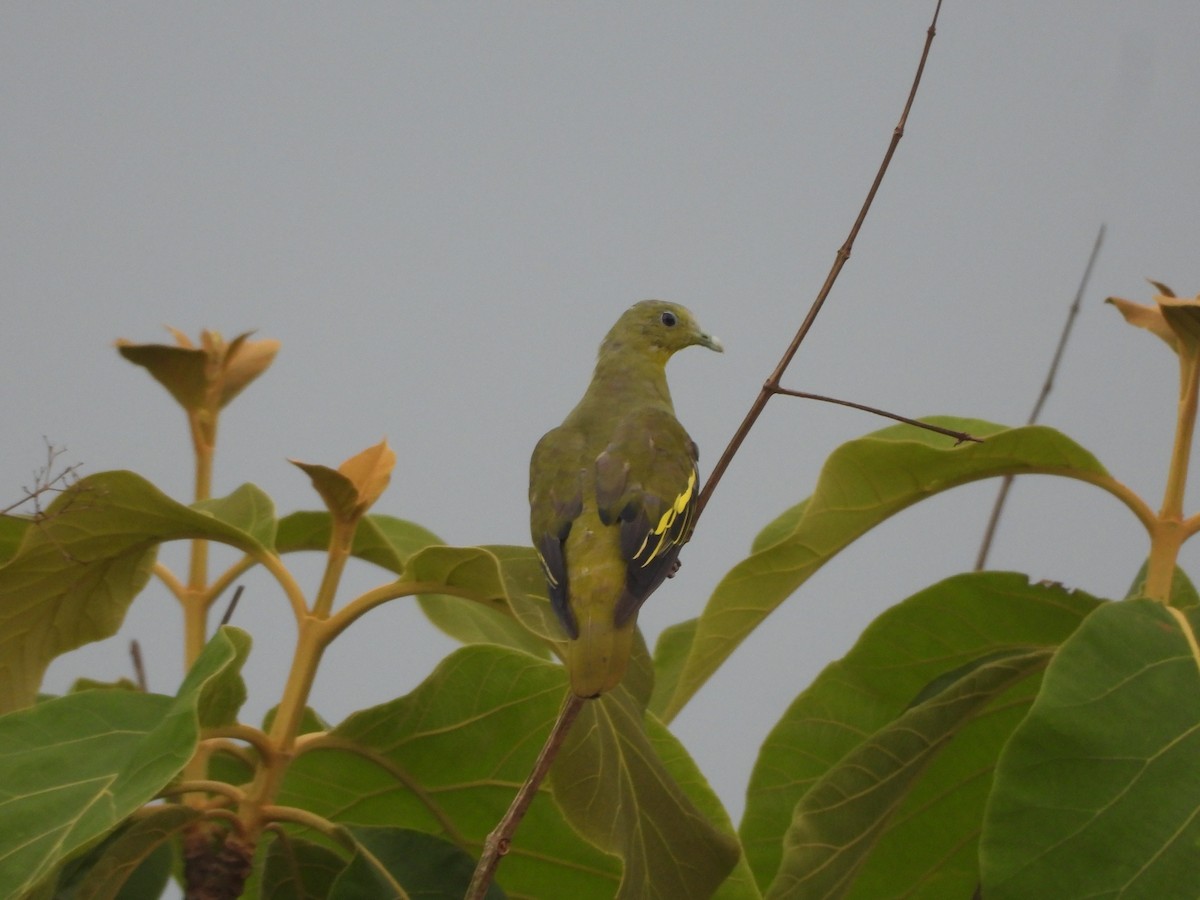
707	340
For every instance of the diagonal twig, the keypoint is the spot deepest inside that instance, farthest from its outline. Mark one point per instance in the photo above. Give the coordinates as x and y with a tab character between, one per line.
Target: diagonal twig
771	387
989	533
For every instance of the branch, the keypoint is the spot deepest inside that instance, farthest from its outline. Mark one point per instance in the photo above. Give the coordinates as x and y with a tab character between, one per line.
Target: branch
989	533
771	387
45	480
959	436
500	839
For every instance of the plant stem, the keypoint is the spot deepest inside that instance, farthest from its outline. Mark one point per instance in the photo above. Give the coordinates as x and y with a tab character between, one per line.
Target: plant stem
498	841
341	539
195	604
1169	534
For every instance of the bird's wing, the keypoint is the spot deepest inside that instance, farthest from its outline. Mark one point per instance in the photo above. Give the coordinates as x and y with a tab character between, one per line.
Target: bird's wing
556	473
646	484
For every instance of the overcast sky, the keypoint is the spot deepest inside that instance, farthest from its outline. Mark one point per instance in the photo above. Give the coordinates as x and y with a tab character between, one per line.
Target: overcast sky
440	208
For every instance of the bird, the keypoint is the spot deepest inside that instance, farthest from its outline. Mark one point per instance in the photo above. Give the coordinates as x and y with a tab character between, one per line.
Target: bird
613	490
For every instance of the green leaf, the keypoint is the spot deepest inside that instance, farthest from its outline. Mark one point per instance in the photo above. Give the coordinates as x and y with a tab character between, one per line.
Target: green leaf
500	581
447	759
928	850
383	540
73	768
443	760
225	692
670	653
248	509
863	483
425	867
297	869
136	861
12	530
91	684
75	575
1096	794
840	820
618	794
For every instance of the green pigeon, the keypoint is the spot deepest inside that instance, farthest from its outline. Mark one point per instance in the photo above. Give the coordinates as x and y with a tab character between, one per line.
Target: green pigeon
612	492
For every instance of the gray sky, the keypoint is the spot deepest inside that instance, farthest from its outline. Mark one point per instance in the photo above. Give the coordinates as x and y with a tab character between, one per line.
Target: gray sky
440	209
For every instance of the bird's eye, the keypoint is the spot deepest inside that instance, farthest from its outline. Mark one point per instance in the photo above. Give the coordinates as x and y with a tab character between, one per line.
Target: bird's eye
668	319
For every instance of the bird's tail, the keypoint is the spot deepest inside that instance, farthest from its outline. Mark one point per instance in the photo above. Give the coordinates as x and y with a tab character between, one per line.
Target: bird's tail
597	659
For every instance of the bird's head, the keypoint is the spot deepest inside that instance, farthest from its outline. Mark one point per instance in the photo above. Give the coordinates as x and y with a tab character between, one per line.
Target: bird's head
659	328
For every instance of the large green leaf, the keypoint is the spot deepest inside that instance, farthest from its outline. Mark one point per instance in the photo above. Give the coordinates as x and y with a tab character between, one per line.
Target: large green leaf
424	867
136	859
863	483
840	820
1096	794
75	573
448	759
928	849
73	768
616	790
12	530
297	869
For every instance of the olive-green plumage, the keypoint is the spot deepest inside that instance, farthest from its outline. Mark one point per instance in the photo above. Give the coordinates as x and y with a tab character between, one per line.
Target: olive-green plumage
612	492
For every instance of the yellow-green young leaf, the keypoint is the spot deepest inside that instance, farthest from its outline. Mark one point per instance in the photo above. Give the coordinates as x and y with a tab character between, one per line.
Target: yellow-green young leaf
337	491
1096	795
394	863
837	824
351	488
136	861
76	572
245	360
928	849
863	483
1143	315
618	793
447	759
181	370
1183	317
370	472
72	769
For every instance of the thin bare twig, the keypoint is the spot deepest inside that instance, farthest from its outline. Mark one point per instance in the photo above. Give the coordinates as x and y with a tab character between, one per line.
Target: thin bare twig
500	839
139	667
989	532
233	602
45	480
959	436
771	387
